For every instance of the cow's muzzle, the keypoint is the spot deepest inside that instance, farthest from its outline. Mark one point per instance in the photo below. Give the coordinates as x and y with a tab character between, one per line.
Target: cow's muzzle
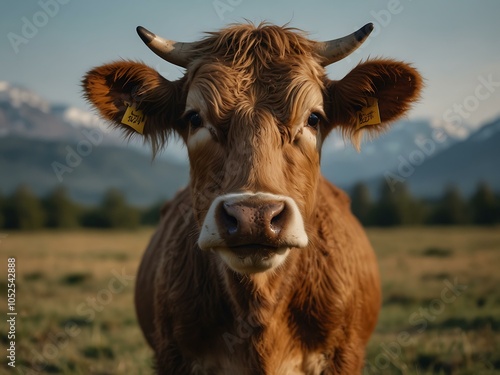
253	232
251	221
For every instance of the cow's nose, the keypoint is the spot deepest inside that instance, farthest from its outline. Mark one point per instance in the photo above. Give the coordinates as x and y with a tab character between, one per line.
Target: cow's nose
252	222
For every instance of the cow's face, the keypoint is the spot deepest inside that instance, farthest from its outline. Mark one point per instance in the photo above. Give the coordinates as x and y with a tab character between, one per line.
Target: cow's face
253	137
253	110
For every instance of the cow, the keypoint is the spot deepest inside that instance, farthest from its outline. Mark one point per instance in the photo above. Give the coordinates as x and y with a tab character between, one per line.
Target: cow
257	266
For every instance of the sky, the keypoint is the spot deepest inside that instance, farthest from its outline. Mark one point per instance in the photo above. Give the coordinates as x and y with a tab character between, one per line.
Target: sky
48	45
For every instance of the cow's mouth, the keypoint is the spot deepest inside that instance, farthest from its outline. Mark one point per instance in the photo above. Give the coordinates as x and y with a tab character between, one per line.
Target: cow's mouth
253	258
259	250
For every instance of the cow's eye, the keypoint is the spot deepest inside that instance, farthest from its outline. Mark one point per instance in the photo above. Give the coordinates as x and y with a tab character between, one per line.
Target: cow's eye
313	120
194	119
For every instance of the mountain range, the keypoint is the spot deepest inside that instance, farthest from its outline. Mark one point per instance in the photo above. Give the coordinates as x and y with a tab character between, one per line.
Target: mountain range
43	145
427	159
465	164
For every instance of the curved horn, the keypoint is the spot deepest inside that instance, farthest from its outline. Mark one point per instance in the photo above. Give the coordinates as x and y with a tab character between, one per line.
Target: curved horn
336	49
174	52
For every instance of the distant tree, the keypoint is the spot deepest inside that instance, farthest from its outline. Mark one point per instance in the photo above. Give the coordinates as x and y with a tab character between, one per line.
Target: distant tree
361	203
60	211
497	208
151	215
23	210
2	208
93	218
112	213
397	207
451	209
483	205
386	211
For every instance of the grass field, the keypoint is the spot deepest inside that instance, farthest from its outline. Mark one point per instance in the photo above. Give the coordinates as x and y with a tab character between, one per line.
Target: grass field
441	312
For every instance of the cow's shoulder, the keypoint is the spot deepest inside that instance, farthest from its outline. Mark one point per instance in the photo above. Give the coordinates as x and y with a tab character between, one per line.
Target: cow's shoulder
340	268
163	241
336	225
331	194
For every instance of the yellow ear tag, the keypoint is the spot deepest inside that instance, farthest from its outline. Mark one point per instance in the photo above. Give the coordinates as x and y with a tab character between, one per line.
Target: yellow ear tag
368	115
134	118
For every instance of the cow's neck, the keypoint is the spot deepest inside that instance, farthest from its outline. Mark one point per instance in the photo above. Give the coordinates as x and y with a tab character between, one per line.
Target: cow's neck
258	296
259	304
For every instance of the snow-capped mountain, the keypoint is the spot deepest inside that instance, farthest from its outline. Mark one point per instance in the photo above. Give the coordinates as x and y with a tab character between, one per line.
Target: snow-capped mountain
19	97
36	136
464	164
78	118
23	113
487	132
342	164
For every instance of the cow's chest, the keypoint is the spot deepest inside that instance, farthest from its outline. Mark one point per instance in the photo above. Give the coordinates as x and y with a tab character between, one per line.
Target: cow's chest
275	352
295	363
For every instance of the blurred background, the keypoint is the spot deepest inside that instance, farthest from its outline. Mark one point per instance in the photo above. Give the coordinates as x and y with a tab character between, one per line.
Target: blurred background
78	203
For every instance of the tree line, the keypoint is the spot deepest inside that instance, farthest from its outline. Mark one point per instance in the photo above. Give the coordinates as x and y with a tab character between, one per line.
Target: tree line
398	207
23	210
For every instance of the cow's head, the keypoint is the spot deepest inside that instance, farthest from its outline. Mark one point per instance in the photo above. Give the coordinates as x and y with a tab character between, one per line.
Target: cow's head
253	109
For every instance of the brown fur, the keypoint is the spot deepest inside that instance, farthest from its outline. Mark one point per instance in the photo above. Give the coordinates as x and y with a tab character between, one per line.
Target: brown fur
323	303
110	87
312	315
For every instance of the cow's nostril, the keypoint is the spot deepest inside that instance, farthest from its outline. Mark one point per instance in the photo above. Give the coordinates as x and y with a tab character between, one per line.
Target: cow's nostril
278	218
229	221
276	222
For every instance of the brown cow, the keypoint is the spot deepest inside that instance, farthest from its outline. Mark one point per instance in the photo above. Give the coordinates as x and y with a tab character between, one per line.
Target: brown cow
258	266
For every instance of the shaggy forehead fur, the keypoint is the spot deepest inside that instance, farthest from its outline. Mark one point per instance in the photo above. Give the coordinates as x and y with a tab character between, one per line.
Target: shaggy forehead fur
251	47
244	68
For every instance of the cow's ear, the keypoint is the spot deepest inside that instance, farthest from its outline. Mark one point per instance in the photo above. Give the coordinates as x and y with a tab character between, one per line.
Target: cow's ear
375	90
135	98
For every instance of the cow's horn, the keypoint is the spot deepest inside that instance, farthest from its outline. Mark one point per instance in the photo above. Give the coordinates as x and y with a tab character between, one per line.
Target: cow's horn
336	49
174	52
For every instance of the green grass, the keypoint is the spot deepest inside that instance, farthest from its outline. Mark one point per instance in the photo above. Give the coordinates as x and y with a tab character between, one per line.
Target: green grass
71	322
422	332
